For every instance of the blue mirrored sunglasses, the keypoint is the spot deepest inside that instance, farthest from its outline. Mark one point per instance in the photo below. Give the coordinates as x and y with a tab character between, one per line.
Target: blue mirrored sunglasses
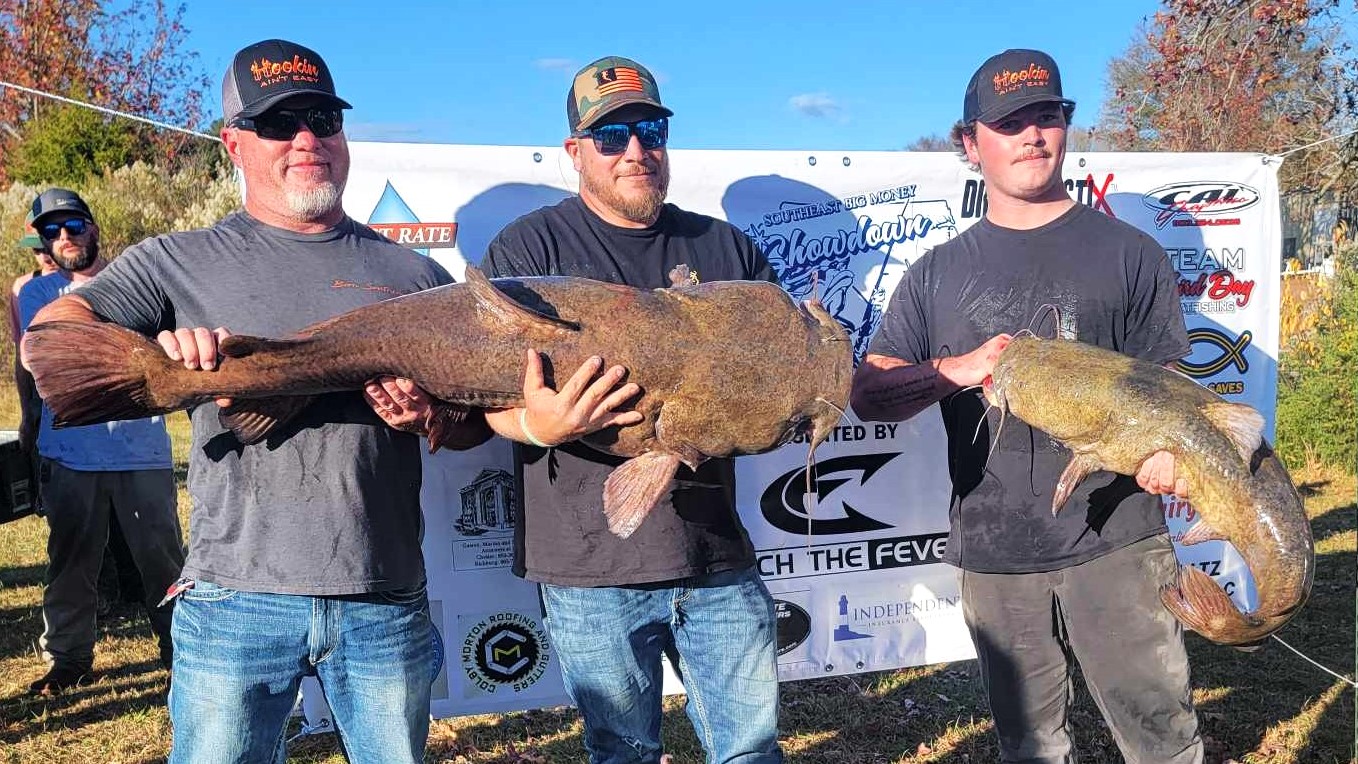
73	226
612	139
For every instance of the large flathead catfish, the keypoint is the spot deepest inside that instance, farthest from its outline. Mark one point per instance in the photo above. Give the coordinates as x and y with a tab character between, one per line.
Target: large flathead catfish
1113	412
725	367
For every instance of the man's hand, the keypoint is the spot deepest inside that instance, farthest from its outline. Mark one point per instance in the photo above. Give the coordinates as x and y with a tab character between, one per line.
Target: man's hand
1157	476
973	368
400	403
582	406
195	348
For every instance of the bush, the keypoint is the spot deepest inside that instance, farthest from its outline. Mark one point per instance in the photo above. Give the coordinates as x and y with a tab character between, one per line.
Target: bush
67	144
1318	374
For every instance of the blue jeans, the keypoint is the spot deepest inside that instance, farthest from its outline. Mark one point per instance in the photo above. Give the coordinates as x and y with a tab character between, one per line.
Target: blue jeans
722	626
240	656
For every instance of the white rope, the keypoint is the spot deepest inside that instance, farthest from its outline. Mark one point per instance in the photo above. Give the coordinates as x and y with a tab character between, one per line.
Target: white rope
105	110
1317	143
1313	663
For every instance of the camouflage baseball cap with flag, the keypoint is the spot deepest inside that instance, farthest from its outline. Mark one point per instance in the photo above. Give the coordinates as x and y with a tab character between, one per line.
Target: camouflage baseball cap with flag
607	85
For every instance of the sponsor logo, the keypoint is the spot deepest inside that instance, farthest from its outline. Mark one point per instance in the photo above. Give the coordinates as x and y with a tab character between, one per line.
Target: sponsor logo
268	73
871	554
1231	387
489	504
440	654
505	650
1177	507
1089	191
785	501
794	625
421	235
859	621
1199	203
1221	351
1190	261
1217	292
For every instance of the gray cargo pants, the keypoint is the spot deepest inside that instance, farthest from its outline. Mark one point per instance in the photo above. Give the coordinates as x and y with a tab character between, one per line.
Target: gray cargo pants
78	510
1106	614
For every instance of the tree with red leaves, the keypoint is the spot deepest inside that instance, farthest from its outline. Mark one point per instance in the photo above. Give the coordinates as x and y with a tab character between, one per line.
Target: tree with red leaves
1242	75
129	59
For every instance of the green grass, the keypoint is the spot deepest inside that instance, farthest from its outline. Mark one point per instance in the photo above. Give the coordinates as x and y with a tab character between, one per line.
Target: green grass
1268	707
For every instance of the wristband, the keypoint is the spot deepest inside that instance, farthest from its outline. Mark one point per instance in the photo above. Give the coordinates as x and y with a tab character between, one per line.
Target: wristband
523	425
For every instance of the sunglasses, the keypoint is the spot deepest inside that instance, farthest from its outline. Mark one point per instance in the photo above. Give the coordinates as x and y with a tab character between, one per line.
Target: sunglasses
611	140
74	227
282	124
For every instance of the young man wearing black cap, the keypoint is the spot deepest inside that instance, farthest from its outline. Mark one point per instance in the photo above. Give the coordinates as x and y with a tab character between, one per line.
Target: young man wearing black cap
89	474
684	583
304	553
1038	590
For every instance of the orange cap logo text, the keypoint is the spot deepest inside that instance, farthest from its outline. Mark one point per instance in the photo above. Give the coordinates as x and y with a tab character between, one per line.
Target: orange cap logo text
1007	81
268	72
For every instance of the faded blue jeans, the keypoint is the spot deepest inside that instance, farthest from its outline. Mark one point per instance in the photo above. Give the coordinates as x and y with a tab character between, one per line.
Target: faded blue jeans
240	656
722	627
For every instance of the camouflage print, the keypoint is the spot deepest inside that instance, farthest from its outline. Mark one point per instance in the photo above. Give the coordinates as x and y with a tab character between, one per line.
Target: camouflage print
607	84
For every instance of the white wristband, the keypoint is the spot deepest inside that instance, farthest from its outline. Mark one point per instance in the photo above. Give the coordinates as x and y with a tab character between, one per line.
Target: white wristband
523	425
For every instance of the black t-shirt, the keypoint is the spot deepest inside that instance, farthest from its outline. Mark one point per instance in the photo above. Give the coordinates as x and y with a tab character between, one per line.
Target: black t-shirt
1113	287
561	537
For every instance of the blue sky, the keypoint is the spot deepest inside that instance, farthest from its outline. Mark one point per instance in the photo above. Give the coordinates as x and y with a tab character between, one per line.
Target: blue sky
739	75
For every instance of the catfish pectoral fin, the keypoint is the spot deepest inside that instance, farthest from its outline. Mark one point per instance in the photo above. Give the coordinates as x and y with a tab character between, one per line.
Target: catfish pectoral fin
634	488
252	420
1080	467
516	316
1201	532
1242	424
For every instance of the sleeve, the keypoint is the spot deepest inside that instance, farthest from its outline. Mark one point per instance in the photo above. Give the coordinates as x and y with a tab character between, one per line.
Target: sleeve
753	260
904	332
512	253
130	291
32	298
1155	323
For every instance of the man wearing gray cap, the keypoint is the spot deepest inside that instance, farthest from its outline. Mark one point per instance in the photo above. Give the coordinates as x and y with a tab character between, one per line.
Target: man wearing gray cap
304	553
1039	591
684	583
89	475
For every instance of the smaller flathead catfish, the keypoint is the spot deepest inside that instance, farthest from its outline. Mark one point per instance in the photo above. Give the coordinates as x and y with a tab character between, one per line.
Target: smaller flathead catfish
726	368
1113	412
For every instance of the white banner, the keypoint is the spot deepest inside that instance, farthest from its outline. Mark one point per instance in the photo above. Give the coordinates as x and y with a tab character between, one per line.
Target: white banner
859	585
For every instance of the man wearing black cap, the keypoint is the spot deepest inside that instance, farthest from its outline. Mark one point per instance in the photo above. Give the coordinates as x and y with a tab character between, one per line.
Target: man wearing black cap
304	553
87	475
684	583
1039	590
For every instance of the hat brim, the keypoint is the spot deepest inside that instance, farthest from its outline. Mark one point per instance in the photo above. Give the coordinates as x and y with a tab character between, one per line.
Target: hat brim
1000	111
264	104
620	101
30	241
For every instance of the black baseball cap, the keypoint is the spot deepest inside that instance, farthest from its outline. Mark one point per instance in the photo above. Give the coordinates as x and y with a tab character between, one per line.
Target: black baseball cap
1009	81
263	74
55	200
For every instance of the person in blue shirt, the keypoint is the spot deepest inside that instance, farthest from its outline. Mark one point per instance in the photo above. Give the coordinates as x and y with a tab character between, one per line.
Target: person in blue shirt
86	475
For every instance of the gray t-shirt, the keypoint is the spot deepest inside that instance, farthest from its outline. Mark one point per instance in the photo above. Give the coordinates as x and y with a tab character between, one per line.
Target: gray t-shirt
329	504
1116	289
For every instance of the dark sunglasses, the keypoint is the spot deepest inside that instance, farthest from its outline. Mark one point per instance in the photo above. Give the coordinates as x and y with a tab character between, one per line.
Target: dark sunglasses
612	140
282	124
74	227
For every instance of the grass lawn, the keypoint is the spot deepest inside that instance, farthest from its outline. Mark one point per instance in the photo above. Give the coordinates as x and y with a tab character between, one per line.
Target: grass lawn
1265	707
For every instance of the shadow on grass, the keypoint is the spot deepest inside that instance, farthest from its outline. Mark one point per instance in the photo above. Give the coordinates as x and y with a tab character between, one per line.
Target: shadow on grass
128	688
22	575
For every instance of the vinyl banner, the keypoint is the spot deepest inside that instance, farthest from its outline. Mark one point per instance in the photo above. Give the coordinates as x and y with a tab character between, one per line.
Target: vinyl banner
855	561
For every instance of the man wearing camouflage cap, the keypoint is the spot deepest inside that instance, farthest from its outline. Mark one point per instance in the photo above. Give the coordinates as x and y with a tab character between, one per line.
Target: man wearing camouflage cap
684	583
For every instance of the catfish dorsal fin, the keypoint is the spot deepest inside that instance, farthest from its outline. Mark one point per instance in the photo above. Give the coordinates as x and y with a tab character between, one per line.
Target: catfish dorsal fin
499	305
1242	424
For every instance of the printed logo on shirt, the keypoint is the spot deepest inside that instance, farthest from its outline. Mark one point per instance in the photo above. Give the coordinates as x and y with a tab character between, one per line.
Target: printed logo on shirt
504	651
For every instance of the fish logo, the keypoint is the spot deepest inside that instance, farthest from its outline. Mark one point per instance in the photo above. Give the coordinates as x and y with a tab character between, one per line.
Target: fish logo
1226	351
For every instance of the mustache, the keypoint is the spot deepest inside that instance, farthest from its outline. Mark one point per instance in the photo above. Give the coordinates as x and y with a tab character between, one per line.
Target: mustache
1034	154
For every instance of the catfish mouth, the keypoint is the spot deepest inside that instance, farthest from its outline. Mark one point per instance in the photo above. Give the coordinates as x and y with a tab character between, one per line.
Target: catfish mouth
988	390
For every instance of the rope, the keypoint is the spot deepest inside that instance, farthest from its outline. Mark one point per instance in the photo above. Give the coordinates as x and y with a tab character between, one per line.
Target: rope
106	110
1341	136
1313	663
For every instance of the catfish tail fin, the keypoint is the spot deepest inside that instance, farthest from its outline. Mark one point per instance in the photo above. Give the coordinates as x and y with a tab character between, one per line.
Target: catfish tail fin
1203	606
91	372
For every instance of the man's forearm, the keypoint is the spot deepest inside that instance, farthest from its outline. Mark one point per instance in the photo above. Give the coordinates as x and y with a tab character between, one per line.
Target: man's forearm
891	390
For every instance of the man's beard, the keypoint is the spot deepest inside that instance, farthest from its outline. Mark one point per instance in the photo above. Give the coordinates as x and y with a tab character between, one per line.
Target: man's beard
641	208
86	257
315	202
